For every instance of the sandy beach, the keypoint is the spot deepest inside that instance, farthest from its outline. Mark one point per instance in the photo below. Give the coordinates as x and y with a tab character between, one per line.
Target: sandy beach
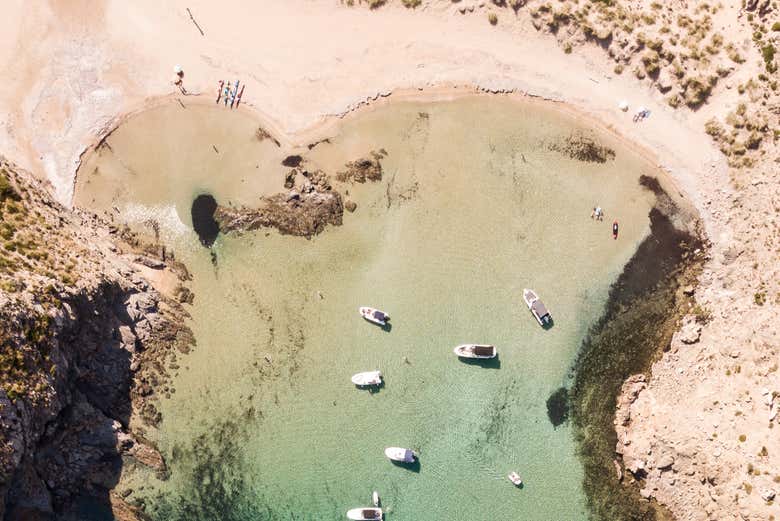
706	412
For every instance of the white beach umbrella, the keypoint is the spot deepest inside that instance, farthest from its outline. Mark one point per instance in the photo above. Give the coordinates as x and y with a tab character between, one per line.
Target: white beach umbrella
623	105
177	69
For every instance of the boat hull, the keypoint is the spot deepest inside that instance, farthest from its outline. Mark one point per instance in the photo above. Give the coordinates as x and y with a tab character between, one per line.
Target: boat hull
400	454
468	351
515	478
367	378
370	315
530	297
364	514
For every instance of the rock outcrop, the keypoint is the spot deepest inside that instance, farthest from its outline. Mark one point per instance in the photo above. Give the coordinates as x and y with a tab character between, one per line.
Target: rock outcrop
310	204
84	342
364	169
303	213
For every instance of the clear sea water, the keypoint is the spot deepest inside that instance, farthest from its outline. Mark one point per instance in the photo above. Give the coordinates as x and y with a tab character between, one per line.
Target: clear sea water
473	207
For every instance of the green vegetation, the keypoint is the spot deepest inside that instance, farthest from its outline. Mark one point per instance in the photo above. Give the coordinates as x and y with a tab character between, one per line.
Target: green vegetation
768	52
697	90
702	315
24	360
714	129
7	192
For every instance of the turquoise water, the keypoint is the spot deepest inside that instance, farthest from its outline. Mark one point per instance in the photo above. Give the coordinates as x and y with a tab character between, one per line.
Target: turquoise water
473	207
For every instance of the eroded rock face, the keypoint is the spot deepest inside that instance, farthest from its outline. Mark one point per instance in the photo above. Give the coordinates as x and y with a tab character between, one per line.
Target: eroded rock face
84	341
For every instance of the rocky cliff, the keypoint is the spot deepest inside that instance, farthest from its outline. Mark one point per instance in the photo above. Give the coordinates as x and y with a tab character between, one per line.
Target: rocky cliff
84	342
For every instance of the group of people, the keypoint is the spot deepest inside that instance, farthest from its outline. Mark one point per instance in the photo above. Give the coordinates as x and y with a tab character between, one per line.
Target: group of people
641	114
598	214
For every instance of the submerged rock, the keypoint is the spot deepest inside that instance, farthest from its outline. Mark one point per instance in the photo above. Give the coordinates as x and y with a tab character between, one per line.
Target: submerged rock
304	214
202	211
582	148
558	406
364	169
293	161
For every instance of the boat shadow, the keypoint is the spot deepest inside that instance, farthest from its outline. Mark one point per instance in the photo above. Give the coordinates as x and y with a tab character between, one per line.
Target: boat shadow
548	325
411	467
485	363
387	327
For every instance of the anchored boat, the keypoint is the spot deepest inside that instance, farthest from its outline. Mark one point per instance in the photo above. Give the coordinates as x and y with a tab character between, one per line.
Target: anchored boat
537	308
515	478
374	315
367	378
401	455
475	351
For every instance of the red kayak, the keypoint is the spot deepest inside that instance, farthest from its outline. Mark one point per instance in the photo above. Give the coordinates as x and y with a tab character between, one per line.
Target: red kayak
614	230
219	92
238	98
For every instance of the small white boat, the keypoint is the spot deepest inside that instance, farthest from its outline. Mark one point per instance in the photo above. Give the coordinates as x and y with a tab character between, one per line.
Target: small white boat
367	378
475	351
401	455
375	316
365	513
515	478
375	499
537	308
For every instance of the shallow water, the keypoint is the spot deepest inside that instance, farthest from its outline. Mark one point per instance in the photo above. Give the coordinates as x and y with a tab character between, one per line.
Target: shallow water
264	422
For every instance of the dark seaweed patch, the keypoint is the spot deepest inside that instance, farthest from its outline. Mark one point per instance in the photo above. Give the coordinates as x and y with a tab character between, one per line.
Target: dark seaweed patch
203	208
639	319
292	161
213	476
558	406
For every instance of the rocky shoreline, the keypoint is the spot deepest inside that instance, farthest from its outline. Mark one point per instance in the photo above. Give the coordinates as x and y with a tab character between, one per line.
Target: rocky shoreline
85	344
644	310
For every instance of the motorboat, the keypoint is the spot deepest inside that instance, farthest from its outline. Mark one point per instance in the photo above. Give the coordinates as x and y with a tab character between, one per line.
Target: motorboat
364	513
374	315
367	378
537	308
475	351
515	478
401	455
